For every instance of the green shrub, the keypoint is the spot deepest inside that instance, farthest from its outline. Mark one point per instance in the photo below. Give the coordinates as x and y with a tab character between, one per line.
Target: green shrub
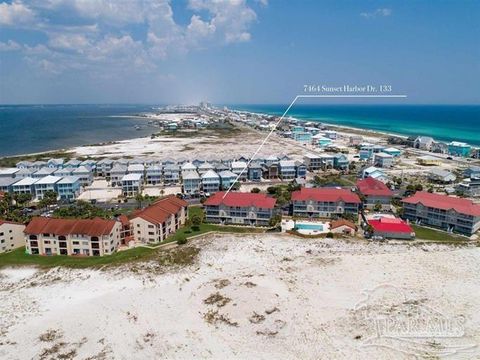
182	240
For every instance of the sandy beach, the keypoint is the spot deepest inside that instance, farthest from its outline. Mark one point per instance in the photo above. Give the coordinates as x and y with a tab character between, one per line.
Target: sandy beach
262	296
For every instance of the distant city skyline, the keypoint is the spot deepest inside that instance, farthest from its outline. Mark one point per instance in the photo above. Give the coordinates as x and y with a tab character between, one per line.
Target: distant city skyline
233	52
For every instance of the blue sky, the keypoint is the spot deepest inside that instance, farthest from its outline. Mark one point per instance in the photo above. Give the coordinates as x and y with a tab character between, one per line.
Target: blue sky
239	51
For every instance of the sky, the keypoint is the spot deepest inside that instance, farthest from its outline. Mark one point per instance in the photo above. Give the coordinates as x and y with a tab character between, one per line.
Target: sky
235	52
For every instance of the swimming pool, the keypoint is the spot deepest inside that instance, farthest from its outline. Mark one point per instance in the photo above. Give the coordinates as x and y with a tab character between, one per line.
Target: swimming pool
301	226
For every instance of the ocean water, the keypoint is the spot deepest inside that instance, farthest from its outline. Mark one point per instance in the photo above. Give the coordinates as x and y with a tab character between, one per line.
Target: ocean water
35	128
442	122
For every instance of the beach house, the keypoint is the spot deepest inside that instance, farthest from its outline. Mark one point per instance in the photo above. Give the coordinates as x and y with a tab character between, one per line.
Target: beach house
383	160
117	172
240	167
442	211
428	160
11	235
374	192
55	163
47	183
442	176
324	202
191	182
45	171
423	143
393	151
210	182
84	174
254	171
227	178
375	173
340	161
68	188
204	168
63	172
391	228
85	237
25	186
72	163
171	173
158	221
287	169
103	167
6	184
300	170
23	173
131	184
239	208
153	174
313	162
457	148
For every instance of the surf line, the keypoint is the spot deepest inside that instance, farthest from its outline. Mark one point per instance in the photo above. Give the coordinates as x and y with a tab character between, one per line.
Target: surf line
285	113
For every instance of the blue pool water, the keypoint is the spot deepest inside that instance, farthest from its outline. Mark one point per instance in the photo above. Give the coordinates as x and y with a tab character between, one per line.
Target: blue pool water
317	227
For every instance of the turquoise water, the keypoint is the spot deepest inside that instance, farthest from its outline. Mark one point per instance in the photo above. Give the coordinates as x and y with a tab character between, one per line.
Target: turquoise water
442	122
309	227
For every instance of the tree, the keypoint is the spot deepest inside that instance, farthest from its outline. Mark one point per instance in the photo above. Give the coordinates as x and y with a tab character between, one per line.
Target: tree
182	239
139	198
49	198
275	220
22	199
196	222
255	190
377	207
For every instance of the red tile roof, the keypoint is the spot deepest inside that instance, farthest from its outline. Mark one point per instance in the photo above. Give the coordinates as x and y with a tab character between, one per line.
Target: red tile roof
342	222
241	199
388	225
373	187
444	202
161	210
325	195
90	227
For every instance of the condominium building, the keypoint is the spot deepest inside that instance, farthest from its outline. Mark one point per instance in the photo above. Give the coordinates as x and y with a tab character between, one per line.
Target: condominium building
227	178
84	237
84	174
11	235
153	174
68	188
374	193
442	211
313	162
240	167
324	202
117	172
239	208
25	186
287	169
156	222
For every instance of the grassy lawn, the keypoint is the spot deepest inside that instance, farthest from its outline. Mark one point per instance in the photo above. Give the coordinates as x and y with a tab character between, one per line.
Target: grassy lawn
435	235
196	210
18	257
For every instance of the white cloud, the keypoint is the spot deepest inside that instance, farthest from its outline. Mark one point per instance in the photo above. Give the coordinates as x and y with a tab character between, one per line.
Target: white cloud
15	13
382	12
10	46
232	18
100	39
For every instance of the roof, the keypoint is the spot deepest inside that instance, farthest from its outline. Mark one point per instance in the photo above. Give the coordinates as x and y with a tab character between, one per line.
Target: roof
342	222
441	173
227	174
371	186
160	210
205	165
50	179
210	174
189	166
45	171
191	175
239	164
9	222
8	181
383	155
90	227
390	225
444	202
8	171
241	199
287	163
132	177
136	167
68	180
27	181
325	194
81	169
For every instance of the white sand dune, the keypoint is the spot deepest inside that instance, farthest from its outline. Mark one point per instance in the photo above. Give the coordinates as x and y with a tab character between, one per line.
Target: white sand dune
278	297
